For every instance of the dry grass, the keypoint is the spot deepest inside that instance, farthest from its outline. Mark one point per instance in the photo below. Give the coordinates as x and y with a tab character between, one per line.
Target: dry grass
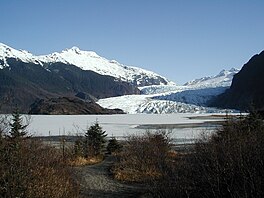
82	161
134	175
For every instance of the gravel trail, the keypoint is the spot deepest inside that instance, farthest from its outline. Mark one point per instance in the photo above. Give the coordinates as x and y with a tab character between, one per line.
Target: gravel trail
96	181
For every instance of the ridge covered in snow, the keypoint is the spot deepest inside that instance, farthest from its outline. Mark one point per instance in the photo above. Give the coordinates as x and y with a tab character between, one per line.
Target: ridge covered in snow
223	79
87	60
8	52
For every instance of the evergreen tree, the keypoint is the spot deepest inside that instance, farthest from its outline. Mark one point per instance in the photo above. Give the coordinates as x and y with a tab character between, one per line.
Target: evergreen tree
113	146
18	130
95	140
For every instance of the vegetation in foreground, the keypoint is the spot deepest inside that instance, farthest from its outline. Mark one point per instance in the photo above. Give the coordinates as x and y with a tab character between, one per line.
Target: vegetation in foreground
143	158
29	168
227	164
88	149
32	168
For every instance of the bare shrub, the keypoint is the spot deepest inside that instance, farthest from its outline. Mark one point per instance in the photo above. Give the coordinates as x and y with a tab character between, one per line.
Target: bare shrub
143	158
228	164
31	169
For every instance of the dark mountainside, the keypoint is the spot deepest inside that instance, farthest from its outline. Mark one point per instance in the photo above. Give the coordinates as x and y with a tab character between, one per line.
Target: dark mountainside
21	84
247	89
69	106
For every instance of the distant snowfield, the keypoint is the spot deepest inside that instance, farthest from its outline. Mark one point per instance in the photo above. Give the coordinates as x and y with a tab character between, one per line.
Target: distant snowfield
117	125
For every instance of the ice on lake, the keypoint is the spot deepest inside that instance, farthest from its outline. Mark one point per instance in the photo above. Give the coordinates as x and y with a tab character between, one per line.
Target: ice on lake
119	125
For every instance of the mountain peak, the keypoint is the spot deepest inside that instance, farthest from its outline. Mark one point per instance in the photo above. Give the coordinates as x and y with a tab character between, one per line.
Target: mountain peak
223	79
73	49
77	51
226	73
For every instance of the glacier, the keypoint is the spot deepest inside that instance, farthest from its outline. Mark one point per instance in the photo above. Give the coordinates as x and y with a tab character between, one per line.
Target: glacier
163	99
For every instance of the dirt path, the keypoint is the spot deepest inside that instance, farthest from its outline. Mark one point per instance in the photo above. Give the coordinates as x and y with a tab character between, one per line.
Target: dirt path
96	182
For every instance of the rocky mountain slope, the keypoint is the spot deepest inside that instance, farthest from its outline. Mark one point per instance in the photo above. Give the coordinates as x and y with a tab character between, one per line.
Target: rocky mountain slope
21	83
247	90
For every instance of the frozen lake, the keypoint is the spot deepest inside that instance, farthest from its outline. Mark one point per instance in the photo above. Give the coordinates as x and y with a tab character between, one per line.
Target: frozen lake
182	126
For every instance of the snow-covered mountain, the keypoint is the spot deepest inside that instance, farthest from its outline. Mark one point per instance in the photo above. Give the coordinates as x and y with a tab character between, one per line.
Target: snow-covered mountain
223	79
7	52
200	91
158	95
87	60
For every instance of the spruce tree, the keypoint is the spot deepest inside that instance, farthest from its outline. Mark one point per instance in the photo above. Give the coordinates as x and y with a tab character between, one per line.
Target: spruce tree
95	140
113	146
18	130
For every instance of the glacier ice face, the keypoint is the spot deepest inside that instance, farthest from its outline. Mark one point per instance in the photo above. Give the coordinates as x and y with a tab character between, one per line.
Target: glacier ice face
190	98
134	104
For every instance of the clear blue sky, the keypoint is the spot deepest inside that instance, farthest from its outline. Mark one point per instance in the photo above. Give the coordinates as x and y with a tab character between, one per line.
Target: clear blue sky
179	39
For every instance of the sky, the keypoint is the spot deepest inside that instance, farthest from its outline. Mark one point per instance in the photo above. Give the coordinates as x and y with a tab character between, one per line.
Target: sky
179	39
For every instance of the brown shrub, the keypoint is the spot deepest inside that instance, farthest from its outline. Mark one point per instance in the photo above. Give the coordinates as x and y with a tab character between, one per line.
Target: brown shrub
227	164
143	158
31	169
